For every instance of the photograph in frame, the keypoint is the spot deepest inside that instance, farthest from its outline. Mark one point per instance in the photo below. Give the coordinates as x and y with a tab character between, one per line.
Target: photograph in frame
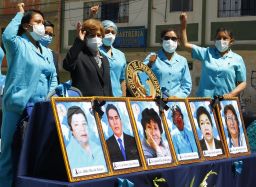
118	133
182	132
152	133
207	128
233	127
79	137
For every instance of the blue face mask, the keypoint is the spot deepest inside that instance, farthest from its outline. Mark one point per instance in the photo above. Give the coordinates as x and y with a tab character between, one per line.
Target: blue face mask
46	40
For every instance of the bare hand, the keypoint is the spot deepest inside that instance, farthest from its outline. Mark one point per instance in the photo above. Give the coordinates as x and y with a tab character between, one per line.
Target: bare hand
183	18
21	7
228	95
151	142
80	32
152	60
94	9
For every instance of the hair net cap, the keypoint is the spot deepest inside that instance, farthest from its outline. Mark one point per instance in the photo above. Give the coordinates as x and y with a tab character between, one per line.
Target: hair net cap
107	23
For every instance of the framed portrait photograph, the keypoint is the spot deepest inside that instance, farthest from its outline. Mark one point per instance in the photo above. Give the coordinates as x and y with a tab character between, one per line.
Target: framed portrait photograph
233	127
81	145
182	131
152	133
206	123
118	133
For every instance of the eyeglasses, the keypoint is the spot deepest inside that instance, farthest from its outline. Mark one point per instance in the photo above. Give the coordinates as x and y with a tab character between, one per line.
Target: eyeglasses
110	31
170	38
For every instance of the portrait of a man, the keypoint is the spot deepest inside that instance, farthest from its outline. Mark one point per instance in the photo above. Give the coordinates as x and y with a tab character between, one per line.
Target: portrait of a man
121	146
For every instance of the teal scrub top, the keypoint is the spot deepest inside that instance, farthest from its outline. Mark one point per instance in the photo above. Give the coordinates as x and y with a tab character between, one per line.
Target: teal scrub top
117	63
219	75
173	75
29	70
1	56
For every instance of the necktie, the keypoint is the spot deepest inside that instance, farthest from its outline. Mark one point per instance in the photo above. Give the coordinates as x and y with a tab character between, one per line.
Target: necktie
122	147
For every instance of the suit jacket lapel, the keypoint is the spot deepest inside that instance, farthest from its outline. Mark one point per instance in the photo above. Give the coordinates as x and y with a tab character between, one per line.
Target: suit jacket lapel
97	67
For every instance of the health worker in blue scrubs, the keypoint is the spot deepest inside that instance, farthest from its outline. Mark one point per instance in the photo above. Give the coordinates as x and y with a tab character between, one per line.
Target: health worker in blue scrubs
223	72
30	77
116	58
170	68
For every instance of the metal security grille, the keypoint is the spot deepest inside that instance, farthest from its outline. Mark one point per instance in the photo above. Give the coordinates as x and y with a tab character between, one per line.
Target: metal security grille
232	8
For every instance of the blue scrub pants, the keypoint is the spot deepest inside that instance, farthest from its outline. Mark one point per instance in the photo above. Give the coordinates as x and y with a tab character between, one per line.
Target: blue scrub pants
9	123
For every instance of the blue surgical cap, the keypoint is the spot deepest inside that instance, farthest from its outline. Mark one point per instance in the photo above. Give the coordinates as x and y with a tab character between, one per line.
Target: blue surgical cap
107	23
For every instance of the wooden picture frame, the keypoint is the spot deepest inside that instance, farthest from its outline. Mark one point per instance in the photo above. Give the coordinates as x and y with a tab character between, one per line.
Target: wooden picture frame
207	127
151	131
113	117
184	138
79	137
230	116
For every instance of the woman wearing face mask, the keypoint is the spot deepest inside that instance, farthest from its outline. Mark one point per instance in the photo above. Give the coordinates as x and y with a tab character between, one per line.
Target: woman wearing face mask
31	76
46	40
223	71
89	69
116	59
170	68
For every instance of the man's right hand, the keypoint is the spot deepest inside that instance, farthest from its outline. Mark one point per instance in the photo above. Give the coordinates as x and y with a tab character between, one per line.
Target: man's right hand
183	19
21	7
152	60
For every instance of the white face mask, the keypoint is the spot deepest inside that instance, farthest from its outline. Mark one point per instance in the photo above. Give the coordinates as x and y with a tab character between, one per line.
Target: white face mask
109	39
169	46
38	32
94	43
222	45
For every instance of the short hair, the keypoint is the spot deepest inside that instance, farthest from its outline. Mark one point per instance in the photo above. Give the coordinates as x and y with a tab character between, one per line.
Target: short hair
231	107
107	23
174	109
26	19
92	25
163	32
147	116
74	110
223	29
111	106
202	110
48	23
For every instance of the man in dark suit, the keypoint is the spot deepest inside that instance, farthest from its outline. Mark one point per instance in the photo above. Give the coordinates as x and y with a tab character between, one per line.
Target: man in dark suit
121	146
208	142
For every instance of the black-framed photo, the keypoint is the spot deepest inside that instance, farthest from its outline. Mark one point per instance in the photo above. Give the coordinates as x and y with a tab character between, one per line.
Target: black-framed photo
81	145
182	131
118	133
233	127
152	133
208	131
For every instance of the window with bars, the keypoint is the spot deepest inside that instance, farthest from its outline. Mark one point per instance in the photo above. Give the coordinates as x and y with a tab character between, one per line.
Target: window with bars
116	11
181	5
231	8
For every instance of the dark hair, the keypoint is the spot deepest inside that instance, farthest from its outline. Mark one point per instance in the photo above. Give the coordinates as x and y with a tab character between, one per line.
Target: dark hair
74	110
26	19
202	110
163	32
47	23
147	116
111	106
231	107
223	29
176	108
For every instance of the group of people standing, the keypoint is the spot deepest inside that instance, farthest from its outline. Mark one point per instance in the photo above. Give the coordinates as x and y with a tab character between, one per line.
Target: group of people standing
98	69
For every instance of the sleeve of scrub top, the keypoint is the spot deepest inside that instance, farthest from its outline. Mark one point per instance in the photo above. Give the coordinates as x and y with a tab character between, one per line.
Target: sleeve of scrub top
122	76
241	71
10	38
54	81
186	82
69	63
198	53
